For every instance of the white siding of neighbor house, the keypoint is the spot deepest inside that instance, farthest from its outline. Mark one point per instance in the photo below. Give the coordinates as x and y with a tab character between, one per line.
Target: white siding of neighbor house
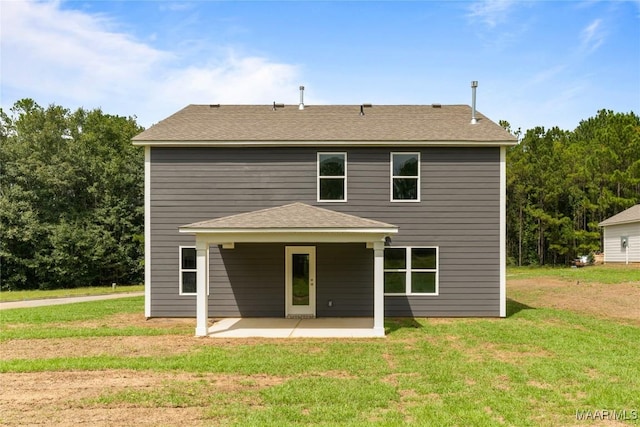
613	251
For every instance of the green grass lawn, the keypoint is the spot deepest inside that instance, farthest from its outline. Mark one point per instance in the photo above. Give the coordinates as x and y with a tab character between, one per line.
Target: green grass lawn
537	367
6	296
596	273
89	319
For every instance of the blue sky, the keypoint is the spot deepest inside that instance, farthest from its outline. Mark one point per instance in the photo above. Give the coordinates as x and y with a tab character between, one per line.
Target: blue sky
538	63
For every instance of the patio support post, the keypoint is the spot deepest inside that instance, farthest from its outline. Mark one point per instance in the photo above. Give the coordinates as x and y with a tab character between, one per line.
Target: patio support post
202	300
378	288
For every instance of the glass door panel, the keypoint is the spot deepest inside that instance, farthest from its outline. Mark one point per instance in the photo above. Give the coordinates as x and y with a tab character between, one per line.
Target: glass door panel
300	277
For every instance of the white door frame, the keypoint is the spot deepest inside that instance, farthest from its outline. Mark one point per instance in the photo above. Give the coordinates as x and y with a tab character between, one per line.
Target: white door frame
296	310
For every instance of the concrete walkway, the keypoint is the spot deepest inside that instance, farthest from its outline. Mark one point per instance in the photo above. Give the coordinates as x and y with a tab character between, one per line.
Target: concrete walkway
64	300
325	327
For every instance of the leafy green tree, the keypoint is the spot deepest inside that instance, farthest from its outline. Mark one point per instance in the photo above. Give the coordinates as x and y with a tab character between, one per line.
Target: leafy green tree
561	184
71	198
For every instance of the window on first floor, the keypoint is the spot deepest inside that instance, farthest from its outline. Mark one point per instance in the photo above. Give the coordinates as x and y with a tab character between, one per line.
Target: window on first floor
405	177
188	271
411	270
332	177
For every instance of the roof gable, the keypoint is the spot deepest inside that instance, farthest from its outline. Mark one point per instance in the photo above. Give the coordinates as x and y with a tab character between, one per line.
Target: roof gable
627	216
226	124
290	217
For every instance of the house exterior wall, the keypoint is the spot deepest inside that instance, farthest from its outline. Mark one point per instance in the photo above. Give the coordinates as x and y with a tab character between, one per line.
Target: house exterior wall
459	213
613	251
248	281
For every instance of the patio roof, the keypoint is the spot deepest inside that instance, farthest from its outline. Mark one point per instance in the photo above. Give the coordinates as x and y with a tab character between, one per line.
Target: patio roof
295	218
292	223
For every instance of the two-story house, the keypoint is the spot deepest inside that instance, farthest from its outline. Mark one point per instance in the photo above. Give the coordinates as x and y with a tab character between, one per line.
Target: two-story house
324	211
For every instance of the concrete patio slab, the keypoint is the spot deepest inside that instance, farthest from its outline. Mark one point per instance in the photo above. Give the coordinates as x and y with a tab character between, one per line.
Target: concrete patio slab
331	327
253	327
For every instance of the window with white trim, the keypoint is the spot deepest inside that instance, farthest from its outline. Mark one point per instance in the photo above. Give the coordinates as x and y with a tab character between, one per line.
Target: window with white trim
405	177
411	271
188	270
332	177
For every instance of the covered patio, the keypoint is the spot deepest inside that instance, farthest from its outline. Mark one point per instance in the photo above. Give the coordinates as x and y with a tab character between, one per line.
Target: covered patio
325	327
300	226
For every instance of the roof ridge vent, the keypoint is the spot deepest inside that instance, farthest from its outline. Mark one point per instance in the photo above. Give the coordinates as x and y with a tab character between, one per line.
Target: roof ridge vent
276	106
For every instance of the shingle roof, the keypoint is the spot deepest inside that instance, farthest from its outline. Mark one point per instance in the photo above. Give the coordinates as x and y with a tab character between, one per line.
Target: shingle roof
337	123
293	216
630	215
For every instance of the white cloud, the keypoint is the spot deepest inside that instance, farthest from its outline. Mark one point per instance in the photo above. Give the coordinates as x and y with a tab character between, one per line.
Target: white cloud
499	24
246	80
68	53
176	6
75	59
250	80
592	36
544	76
491	12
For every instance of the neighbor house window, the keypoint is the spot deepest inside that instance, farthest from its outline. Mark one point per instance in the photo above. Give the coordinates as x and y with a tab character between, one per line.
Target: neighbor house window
188	272
411	271
332	177
405	177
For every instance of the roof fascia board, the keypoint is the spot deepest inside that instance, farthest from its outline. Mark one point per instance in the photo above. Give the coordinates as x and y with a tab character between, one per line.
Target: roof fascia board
624	222
259	236
188	144
337	230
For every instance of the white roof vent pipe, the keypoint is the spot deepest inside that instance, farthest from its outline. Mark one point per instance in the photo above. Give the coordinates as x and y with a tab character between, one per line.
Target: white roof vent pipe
301	106
474	85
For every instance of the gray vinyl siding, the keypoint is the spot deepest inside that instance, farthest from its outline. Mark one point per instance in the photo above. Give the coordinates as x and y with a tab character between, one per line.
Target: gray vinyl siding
344	275
247	281
458	213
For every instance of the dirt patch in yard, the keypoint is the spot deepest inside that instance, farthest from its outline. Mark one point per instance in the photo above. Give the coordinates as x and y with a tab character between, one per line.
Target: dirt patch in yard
136	320
70	398
613	301
97	346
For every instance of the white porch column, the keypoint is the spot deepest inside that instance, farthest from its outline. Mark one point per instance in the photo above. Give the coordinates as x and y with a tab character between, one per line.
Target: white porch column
202	300
378	288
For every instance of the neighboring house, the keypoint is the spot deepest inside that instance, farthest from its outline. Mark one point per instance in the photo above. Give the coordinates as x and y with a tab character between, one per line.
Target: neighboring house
622	236
327	211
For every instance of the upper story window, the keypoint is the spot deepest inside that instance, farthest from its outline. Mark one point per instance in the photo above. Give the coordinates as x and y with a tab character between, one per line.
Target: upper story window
332	177
188	271
411	271
405	177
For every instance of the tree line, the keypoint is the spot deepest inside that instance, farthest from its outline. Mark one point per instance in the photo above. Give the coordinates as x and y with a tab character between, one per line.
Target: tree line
71	198
72	193
561	184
